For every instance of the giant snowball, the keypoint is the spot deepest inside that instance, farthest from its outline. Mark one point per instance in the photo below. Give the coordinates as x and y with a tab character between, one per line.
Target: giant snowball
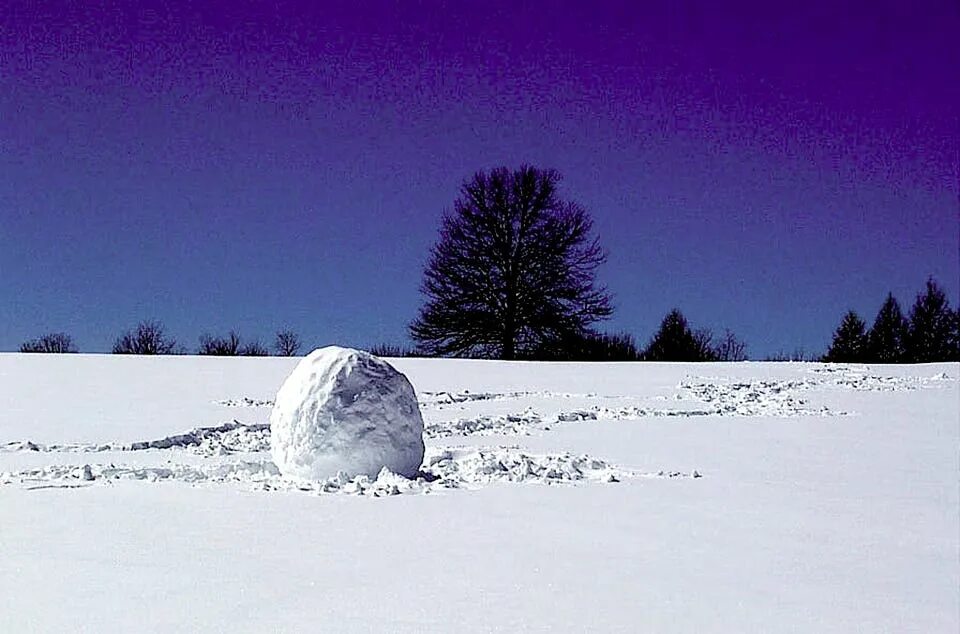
345	410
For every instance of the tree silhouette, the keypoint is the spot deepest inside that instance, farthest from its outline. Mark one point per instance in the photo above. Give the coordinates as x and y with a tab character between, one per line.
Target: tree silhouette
849	341
254	349
932	335
287	343
148	338
886	341
55	342
674	341
393	350
955	339
228	346
592	346
705	346
513	267
730	348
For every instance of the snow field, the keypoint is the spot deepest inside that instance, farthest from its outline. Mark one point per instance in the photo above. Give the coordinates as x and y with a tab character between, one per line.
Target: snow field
828	501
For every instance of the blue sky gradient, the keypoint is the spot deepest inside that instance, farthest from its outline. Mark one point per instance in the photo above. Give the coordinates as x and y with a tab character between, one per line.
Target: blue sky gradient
264	165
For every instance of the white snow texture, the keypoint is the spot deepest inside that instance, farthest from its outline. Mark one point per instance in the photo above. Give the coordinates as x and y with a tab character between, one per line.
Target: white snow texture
344	411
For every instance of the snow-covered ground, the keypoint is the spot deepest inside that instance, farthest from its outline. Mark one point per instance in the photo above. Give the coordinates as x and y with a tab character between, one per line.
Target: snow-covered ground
137	494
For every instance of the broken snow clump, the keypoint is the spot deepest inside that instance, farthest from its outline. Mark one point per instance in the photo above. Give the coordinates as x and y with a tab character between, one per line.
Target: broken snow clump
345	411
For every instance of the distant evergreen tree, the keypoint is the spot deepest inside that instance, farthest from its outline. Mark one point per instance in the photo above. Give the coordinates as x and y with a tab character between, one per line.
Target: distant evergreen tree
849	341
932	334
886	341
676	342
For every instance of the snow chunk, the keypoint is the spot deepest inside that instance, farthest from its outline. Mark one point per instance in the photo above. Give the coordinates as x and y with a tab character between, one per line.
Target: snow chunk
344	411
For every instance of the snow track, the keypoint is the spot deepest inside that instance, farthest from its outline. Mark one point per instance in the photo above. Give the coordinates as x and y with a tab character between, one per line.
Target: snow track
223	439
452	467
444	468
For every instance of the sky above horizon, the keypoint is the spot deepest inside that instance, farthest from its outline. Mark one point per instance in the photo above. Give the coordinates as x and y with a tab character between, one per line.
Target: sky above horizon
252	166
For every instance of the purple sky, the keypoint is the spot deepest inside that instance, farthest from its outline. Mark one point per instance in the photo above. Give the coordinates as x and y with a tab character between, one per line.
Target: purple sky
251	166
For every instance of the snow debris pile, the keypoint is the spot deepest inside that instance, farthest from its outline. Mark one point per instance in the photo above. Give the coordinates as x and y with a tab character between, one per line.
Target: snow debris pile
59	475
344	411
444	468
752	398
246	401
225	439
211	441
507	424
454	467
440	399
859	378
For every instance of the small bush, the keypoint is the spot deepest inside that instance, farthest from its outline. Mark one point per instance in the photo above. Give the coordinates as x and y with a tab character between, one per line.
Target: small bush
389	350
799	354
588	346
55	342
254	349
148	338
228	346
730	348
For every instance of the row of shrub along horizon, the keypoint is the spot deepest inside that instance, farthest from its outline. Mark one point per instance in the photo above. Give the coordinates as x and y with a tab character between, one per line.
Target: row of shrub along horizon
930	334
674	341
150	338
512	275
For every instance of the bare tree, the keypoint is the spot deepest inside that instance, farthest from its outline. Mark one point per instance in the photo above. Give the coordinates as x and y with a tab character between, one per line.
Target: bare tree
149	337
55	342
513	267
287	343
730	348
254	349
798	354
228	346
706	351
390	350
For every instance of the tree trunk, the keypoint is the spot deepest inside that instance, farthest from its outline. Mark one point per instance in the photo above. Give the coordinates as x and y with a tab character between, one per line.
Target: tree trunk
508	352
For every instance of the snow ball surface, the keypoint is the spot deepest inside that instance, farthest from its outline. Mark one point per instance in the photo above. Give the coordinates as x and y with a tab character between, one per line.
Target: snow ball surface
345	411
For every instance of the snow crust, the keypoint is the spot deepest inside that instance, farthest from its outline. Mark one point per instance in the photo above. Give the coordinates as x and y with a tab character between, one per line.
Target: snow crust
567	496
344	411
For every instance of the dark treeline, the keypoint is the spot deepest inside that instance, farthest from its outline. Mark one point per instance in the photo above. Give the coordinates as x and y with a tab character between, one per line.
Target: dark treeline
55	342
930	333
150	338
512	275
674	341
